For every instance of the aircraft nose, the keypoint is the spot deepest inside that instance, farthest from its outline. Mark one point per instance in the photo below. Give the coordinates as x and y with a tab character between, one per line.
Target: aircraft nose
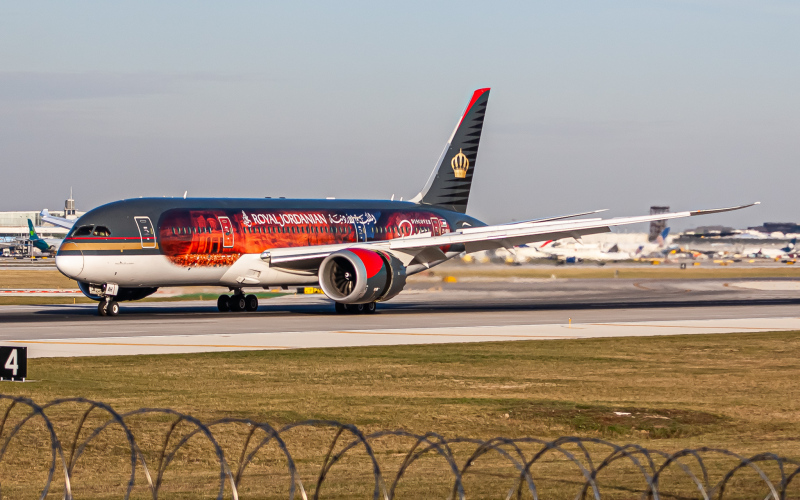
70	260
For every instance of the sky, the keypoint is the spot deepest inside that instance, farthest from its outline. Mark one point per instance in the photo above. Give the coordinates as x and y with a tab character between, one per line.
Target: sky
594	104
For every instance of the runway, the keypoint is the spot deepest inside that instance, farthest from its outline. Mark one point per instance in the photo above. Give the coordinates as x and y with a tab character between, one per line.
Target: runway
435	312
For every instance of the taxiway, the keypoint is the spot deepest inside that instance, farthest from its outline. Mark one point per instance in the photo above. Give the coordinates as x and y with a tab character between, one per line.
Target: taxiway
428	312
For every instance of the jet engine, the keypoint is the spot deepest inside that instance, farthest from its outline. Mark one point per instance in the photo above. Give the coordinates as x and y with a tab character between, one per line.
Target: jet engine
359	276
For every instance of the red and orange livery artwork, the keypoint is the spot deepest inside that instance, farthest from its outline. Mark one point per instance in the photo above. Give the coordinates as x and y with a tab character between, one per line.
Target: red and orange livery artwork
220	237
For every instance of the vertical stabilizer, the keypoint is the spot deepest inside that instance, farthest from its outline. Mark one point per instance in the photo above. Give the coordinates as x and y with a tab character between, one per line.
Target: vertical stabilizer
449	184
32	231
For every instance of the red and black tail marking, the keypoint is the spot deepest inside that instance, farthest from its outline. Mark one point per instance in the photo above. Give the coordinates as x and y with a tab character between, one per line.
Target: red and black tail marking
451	179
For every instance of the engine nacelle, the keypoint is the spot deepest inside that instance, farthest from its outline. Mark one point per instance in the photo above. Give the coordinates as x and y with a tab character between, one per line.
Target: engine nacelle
359	276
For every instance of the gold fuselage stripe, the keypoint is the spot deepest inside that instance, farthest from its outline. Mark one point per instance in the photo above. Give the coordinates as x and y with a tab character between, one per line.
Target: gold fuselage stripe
106	246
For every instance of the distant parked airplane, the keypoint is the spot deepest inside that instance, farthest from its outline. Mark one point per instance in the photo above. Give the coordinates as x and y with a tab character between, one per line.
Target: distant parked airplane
57	221
42	244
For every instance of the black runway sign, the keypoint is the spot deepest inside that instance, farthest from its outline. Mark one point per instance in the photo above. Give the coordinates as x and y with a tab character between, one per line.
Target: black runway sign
14	363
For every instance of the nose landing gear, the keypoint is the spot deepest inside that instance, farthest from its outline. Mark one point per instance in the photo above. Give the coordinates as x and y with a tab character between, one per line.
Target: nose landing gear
368	308
108	307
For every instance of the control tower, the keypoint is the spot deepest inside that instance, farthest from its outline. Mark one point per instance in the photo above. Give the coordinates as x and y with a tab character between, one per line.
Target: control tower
657	226
69	207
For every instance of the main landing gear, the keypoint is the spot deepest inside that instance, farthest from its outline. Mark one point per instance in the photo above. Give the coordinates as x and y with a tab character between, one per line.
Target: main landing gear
368	308
237	302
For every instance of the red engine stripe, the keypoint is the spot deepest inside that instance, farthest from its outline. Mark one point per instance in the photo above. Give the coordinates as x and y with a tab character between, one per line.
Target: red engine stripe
371	260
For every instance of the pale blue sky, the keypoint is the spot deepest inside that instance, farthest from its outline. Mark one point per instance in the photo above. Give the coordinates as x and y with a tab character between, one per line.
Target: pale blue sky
618	104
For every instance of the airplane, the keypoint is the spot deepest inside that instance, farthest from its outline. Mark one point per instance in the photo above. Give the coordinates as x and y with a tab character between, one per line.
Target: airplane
359	252
579	251
593	252
42	244
772	253
57	221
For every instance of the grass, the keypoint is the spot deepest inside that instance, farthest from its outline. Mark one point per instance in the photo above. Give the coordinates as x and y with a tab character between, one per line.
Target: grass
50	278
735	391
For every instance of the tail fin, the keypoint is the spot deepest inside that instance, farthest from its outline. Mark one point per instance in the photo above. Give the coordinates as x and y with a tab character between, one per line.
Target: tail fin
662	238
32	232
449	184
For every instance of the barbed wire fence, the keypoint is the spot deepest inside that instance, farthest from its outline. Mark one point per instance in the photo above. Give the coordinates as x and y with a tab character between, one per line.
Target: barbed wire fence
528	463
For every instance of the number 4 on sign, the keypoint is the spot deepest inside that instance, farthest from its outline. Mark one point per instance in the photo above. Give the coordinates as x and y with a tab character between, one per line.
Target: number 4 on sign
12	363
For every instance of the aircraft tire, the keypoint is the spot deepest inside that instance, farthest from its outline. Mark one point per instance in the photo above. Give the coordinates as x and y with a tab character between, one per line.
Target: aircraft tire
101	308
358	308
237	303
251	303
223	303
112	308
370	308
340	308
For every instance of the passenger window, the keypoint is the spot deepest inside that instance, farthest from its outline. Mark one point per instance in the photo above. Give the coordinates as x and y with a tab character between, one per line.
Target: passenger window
83	231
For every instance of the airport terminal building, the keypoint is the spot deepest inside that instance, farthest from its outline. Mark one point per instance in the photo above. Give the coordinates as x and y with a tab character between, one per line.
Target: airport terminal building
14	225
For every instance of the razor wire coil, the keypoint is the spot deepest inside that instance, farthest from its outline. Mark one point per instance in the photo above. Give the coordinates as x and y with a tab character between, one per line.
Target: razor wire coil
650	465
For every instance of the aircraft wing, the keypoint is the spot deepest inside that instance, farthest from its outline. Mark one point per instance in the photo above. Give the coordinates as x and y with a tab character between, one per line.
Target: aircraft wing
57	221
557	217
425	247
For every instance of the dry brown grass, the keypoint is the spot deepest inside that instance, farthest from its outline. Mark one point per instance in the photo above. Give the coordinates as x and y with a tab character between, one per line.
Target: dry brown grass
49	278
736	391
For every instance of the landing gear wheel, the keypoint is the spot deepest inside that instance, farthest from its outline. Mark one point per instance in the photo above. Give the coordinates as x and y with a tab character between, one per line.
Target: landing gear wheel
101	308
358	308
251	303
237	303
223	303
112	308
340	308
370	308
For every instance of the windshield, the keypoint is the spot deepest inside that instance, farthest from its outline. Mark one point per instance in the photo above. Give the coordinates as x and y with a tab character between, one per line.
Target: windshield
83	231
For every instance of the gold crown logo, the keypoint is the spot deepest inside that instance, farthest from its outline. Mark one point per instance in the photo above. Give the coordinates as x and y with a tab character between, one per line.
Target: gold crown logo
460	164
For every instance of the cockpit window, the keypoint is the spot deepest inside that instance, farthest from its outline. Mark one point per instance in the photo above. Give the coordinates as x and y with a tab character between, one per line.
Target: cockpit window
101	231
83	231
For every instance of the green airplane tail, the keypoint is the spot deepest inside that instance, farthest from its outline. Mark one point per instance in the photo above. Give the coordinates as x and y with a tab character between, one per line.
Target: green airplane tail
35	239
32	232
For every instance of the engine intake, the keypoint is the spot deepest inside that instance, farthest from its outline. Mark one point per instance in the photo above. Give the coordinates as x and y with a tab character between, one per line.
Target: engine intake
359	276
